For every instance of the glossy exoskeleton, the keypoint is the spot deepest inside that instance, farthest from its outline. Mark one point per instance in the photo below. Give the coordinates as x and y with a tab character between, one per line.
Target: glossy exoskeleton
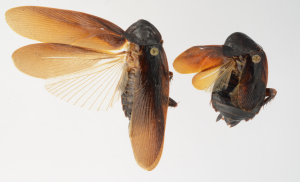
91	62
236	73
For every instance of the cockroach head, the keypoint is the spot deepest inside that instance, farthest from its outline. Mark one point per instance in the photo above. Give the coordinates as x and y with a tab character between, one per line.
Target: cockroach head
238	44
143	33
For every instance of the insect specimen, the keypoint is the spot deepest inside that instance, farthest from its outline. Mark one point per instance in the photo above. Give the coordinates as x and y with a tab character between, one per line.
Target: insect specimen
91	62
236	73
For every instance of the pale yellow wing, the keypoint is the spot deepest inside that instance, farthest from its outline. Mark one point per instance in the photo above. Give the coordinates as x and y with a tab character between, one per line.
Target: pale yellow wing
90	79
214	79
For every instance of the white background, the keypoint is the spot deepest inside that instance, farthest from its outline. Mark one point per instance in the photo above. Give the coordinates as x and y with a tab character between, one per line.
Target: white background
44	139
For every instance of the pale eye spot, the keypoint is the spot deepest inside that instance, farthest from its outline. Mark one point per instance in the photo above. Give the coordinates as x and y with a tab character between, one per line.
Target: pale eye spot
154	51
102	28
256	58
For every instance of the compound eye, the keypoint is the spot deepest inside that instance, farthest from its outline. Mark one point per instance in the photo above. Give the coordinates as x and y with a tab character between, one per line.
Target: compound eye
154	51
256	58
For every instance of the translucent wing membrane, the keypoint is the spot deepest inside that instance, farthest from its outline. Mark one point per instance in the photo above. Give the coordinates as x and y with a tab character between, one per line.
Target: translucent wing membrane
95	88
214	79
223	78
90	79
63	26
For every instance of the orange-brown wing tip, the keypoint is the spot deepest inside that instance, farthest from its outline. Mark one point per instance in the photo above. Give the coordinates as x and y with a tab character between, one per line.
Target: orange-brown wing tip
13	14
19	63
185	62
199	58
204	80
8	12
196	84
147	167
144	163
8	16
147	146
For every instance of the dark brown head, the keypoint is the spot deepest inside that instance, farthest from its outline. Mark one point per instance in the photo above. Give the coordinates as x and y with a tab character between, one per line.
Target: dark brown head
238	44
143	33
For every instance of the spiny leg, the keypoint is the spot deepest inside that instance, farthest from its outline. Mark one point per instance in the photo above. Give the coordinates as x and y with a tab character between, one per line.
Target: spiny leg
270	94
170	75
172	103
219	117
231	122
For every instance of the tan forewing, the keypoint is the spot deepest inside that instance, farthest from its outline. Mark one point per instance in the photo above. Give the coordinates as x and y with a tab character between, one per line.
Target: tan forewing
149	113
90	79
64	26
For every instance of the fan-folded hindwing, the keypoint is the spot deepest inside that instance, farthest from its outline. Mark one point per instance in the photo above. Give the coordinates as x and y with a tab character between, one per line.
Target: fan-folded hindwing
214	79
88	78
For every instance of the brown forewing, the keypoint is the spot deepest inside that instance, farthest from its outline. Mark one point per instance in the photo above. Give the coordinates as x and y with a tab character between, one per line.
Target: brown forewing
64	26
252	86
199	58
150	105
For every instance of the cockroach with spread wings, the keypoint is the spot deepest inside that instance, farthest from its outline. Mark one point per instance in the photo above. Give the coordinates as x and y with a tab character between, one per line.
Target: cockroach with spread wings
236	74
91	62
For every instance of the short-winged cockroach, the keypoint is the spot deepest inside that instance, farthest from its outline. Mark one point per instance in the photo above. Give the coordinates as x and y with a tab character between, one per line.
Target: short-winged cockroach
236	73
91	62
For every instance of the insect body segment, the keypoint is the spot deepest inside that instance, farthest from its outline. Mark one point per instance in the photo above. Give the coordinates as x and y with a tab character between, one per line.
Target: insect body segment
236	74
133	66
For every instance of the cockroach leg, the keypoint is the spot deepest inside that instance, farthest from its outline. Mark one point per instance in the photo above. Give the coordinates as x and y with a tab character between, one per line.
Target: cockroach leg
172	103
234	123
219	117
231	122
270	94
170	75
